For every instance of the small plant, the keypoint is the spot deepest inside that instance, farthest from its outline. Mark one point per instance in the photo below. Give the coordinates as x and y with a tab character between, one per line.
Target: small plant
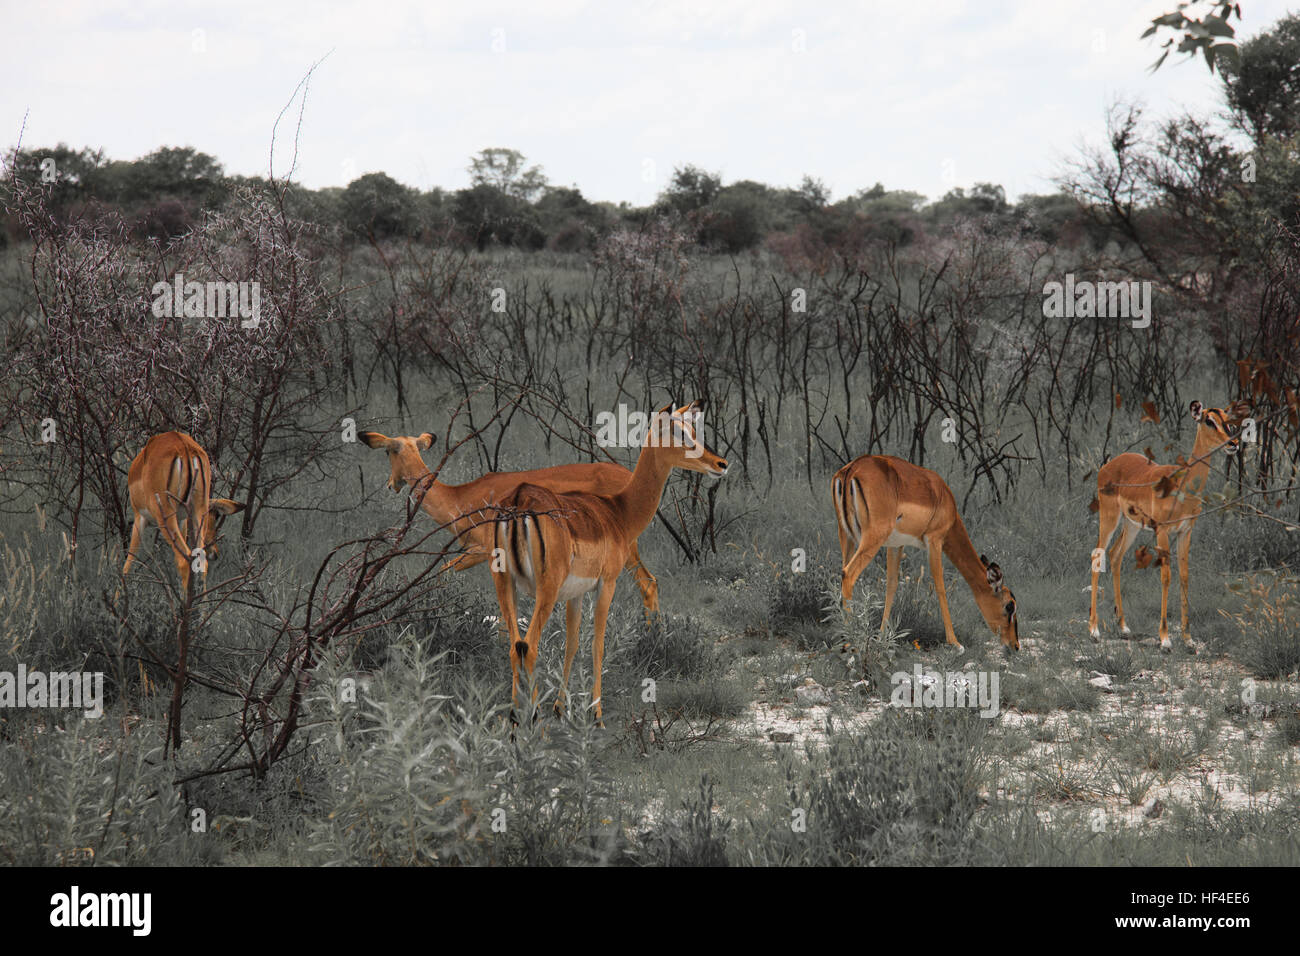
1270	629
696	838
1041	693
1131	783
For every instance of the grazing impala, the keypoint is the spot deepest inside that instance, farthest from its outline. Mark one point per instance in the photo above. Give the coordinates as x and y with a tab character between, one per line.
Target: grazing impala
170	482
882	501
558	546
1140	495
455	505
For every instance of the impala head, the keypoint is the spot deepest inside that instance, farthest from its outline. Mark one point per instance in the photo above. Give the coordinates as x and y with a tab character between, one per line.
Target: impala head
1220	427
218	510
1000	609
675	431
403	456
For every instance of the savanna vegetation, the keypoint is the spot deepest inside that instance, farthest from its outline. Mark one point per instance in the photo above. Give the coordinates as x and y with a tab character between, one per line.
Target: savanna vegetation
345	693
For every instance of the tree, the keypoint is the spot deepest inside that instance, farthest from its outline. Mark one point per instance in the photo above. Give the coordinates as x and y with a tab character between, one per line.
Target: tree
378	205
690	189
172	172
486	214
814	193
1263	86
1210	34
503	169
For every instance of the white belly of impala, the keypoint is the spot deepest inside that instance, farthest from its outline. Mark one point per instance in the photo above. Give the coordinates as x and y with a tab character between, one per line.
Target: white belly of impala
575	586
897	539
572	587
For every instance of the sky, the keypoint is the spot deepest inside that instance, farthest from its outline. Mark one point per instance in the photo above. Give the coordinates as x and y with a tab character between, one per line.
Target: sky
607	96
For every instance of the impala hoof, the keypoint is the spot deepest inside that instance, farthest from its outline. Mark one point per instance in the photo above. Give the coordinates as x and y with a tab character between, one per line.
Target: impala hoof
1095	633
1166	647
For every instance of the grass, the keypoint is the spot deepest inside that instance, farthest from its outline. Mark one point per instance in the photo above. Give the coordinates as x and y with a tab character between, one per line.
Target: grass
420	768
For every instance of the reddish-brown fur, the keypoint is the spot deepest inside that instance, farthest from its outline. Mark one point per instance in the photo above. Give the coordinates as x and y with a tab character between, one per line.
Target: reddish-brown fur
1134	491
457	505
557	546
170	481
879	499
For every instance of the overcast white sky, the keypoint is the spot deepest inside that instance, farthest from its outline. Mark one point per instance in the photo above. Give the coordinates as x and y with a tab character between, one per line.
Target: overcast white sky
608	96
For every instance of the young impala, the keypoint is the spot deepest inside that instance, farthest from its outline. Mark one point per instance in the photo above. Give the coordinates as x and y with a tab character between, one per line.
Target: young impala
883	501
170	484
558	546
1139	495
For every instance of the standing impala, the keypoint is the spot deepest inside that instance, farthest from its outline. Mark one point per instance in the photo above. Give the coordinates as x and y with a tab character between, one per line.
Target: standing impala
558	546
883	501
456	505
1134	491
170	483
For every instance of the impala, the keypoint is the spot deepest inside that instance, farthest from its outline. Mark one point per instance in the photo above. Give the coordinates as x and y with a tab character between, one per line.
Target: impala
170	482
882	501
558	546
456	505
1135	492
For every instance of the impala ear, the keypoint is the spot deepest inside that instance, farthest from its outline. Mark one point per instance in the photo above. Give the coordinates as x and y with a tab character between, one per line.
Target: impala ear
1239	410
994	575
1197	410
375	440
425	441
984	561
224	507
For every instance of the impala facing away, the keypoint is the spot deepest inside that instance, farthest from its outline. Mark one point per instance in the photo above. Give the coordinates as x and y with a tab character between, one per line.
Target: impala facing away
170	481
557	547
883	501
456	505
1134	491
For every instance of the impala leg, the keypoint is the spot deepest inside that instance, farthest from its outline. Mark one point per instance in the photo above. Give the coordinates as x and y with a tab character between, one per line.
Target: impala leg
644	580
1107	521
510	625
1162	542
846	543
526	650
1116	554
180	549
1184	549
467	560
603	601
935	546
572	621
134	546
892	556
871	543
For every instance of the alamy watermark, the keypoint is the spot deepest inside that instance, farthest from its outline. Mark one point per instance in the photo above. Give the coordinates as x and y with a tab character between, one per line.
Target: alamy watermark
628	429
1103	300
179	299
78	690
975	689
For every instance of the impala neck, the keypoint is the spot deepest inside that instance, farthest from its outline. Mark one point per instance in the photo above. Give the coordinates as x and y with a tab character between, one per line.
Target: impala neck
1192	478
639	500
961	552
437	502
